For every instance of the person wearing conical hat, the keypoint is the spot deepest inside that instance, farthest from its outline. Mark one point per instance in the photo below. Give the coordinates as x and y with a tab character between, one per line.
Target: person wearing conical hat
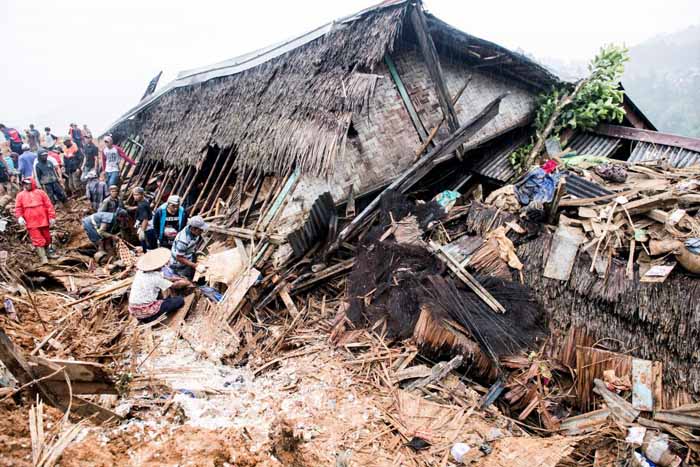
145	298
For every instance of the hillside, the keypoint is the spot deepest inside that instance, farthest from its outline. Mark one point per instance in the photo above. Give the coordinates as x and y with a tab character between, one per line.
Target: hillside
663	78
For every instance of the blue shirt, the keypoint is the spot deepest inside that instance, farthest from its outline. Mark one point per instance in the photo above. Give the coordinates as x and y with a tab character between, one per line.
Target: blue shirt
25	164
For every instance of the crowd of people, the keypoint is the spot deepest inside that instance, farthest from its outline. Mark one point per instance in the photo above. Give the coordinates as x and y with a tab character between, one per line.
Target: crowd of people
48	172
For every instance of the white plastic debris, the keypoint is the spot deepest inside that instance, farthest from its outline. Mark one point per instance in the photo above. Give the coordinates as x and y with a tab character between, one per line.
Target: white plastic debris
635	435
459	451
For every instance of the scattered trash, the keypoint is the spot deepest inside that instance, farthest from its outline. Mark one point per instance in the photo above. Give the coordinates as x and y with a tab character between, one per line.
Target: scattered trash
459	452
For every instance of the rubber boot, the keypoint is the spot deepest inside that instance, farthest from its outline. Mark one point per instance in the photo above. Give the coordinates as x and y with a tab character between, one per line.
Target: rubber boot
41	251
51	252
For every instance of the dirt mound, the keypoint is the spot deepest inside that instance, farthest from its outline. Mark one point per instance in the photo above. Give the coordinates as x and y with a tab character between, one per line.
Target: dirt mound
185	446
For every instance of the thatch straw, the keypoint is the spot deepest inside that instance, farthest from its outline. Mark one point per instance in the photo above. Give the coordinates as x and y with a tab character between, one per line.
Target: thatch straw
652	321
294	110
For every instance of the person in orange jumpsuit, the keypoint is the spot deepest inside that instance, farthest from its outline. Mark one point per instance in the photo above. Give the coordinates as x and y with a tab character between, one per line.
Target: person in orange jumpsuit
34	210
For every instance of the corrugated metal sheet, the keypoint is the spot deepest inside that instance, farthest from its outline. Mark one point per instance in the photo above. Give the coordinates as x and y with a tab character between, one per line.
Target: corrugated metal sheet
676	157
582	188
594	145
316	227
494	163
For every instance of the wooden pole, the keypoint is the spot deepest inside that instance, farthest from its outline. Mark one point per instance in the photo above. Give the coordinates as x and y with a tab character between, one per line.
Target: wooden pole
206	184
220	171
434	131
422	166
427	46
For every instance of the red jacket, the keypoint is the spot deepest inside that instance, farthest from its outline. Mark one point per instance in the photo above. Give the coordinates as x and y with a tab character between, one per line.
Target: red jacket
35	206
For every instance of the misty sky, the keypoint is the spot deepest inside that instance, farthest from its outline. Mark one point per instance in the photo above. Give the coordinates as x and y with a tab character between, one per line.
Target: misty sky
89	61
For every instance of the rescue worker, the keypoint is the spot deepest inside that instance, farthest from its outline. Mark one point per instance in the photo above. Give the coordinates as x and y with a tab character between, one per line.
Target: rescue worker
144	220
25	163
111	155
102	227
112	202
34	210
95	189
169	219
47	173
183	252
72	161
149	282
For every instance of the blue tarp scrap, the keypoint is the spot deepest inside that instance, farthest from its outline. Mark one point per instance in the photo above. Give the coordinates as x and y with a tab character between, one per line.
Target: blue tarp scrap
537	186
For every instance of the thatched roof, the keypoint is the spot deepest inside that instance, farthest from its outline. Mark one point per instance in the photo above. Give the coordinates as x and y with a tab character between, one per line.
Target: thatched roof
293	109
291	104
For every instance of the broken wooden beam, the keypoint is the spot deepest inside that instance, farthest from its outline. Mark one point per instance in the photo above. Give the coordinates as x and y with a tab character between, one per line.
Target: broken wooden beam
469	280
432	60
422	166
406	99
247	234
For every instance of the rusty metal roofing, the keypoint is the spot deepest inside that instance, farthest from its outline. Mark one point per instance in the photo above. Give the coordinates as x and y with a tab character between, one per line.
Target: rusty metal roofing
590	144
494	162
676	157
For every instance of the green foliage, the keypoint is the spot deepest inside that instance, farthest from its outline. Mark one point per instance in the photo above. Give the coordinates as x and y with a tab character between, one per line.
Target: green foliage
517	157
598	99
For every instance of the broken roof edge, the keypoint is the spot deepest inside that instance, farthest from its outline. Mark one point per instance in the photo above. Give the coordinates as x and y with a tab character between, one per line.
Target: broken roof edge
249	60
547	76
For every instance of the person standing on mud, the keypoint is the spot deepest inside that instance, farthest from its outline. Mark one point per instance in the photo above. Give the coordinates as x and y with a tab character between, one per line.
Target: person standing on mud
33	209
72	160
90	151
33	137
25	163
48	174
111	157
144	220
95	189
49	139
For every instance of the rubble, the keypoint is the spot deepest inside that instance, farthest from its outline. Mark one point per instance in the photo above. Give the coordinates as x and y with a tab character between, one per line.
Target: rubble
403	321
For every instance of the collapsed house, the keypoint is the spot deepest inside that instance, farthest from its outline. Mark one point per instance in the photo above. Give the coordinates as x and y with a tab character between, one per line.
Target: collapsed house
335	160
347	108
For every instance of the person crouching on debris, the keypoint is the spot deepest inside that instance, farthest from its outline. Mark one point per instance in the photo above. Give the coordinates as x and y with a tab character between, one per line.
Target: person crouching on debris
183	252
95	189
113	201
144	303
169	219
144	220
101	227
34	210
48	173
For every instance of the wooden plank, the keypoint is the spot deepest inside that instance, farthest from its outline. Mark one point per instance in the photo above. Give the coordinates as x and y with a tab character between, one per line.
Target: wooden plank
432	60
76	370
413	115
288	302
247	234
467	278
180	315
434	131
406	179
648	136
240	289
562	253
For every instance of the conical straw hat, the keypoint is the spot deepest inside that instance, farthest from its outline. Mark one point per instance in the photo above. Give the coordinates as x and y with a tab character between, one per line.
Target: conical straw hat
154	259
